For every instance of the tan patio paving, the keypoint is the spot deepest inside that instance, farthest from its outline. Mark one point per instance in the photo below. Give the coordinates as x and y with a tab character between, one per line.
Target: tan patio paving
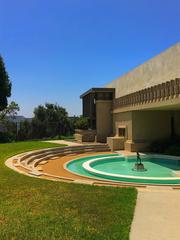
157	215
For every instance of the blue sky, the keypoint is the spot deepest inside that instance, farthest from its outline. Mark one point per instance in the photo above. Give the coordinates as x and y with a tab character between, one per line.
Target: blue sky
55	50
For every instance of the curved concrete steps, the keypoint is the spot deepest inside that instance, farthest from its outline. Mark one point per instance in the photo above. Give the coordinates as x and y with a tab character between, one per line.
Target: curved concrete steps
29	161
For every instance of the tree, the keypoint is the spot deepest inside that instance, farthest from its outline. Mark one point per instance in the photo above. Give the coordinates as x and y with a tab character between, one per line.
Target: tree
72	124
10	111
8	131
81	123
5	86
39	122
49	121
25	130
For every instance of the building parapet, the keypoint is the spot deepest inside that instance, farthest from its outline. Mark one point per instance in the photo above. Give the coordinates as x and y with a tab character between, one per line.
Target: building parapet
160	92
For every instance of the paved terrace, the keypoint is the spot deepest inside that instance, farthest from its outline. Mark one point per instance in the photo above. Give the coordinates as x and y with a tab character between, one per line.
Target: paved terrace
157	214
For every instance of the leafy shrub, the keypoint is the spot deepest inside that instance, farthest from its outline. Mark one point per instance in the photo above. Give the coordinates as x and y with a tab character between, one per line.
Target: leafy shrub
173	150
70	137
168	146
6	137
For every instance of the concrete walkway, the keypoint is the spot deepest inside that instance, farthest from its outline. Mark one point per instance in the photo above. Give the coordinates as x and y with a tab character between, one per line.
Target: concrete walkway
157	215
68	143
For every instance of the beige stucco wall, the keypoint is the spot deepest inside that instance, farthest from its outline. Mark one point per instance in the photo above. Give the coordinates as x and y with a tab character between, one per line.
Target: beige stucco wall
145	127
151	125
103	119
120	120
162	68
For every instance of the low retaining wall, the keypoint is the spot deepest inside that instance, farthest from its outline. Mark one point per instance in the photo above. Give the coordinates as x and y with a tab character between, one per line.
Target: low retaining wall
85	135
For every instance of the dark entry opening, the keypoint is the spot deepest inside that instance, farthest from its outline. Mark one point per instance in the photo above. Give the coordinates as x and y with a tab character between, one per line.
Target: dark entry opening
172	127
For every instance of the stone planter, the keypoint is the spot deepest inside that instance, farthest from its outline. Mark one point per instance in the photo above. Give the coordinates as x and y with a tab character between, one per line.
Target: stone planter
85	135
116	143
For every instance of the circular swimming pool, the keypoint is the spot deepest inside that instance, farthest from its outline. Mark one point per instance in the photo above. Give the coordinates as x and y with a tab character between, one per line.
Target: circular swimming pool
114	167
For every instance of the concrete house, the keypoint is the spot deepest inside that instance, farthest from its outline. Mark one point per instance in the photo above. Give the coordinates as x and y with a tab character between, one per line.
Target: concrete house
139	107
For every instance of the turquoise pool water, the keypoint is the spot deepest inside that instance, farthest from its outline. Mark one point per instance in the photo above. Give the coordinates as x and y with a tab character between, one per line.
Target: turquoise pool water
119	168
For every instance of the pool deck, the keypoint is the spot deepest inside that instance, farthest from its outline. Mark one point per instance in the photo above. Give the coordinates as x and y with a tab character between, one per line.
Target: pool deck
157	214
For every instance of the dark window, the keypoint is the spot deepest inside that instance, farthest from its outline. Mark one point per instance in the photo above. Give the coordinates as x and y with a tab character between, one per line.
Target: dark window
122	132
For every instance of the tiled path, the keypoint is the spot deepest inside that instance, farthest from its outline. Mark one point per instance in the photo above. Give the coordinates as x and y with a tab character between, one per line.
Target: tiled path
157	215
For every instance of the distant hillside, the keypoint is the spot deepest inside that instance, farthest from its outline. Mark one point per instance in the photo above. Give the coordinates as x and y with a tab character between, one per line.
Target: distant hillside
18	119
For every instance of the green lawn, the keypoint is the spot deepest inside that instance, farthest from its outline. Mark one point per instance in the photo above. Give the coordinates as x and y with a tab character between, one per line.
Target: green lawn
31	208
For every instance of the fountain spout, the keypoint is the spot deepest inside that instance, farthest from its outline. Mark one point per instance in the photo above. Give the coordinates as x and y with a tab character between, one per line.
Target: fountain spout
138	158
139	166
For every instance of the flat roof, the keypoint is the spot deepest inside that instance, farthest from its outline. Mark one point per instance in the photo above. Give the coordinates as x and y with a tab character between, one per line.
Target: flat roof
95	90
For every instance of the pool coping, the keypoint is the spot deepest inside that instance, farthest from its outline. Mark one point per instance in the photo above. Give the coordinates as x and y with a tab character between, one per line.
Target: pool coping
81	175
89	169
